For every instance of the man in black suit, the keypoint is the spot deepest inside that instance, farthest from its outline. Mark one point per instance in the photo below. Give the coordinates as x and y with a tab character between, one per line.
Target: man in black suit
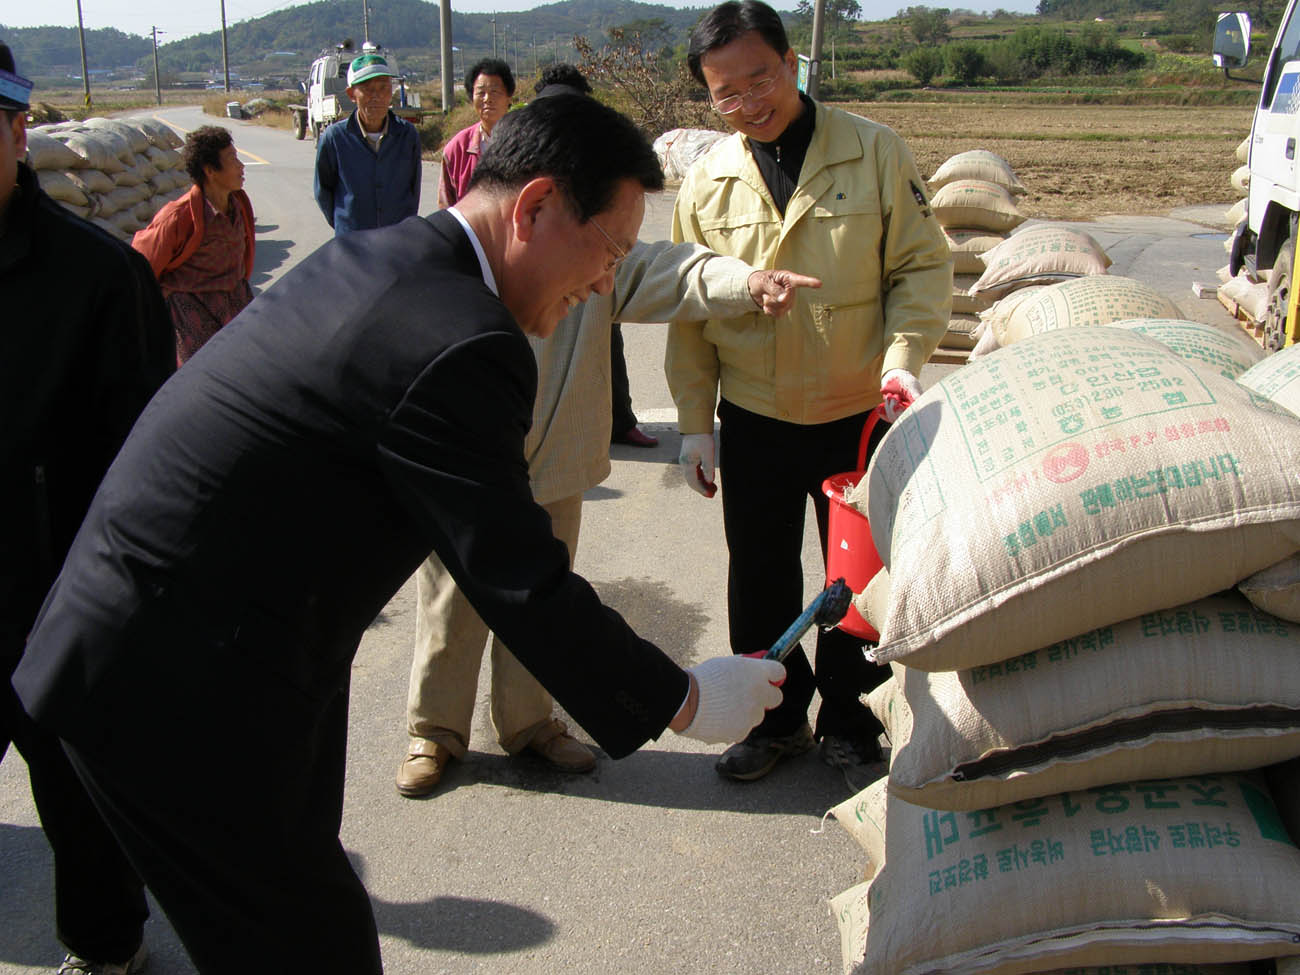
85	340
194	654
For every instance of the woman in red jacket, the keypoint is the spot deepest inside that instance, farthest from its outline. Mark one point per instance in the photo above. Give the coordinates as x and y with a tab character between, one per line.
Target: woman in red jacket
201	245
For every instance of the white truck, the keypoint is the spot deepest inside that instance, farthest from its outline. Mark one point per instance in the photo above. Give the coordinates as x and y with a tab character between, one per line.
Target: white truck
326	89
1264	242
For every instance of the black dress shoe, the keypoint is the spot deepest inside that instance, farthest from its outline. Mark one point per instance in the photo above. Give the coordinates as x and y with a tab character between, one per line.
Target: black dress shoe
757	755
635	438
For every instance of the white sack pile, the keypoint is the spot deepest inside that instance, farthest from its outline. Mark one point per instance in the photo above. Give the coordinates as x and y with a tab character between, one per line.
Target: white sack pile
1079	714
115	173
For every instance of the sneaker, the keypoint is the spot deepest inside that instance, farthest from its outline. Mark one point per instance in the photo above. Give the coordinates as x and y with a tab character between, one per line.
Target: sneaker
860	762
557	748
75	965
422	769
757	755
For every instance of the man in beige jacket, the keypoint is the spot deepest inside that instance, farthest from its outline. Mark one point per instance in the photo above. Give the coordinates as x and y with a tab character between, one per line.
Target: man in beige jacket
797	185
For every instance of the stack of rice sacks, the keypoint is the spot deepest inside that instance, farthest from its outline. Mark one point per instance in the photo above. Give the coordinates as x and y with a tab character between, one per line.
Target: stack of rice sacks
1032	258
1241	295
115	173
973	196
1082	706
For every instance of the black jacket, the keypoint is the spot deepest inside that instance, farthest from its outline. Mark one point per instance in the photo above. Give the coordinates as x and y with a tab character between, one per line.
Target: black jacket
85	340
368	408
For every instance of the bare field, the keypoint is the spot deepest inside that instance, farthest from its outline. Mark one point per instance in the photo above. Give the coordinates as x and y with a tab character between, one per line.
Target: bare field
1083	161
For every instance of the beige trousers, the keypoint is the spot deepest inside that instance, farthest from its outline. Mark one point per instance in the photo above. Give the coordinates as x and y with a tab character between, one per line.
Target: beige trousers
449	642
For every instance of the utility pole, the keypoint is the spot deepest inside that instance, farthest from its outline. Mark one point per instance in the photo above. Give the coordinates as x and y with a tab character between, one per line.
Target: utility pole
81	36
494	34
157	82
815	55
225	57
365	18
448	55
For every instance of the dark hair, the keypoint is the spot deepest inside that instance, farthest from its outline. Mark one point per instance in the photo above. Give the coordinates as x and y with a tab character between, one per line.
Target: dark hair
726	22
587	148
203	147
490	66
563	74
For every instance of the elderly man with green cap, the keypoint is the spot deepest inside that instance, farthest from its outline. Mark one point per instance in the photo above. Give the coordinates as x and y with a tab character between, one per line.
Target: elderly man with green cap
368	164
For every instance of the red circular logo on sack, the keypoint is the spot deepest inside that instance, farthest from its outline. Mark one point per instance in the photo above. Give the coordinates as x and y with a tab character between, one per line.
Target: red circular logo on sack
1065	462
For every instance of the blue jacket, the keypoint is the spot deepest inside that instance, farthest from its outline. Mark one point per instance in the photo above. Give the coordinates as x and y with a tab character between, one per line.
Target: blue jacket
359	189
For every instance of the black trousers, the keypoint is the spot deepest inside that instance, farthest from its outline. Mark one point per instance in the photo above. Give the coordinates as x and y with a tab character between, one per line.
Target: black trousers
769	470
224	784
620	387
99	902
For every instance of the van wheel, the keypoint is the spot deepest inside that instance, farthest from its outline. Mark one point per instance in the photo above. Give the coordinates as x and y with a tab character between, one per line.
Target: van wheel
299	125
1279	296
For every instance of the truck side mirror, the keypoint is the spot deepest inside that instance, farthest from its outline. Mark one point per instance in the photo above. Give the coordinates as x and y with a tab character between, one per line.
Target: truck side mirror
1232	42
302	87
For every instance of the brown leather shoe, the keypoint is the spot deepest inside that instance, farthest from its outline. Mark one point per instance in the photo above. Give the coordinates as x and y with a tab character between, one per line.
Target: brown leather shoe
422	768
635	437
554	745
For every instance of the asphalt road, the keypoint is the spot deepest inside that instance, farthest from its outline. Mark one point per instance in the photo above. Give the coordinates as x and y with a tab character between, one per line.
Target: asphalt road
651	864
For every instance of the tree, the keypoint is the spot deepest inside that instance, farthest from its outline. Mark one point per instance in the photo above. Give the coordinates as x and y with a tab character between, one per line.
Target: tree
838	13
929	25
656	96
965	63
923	63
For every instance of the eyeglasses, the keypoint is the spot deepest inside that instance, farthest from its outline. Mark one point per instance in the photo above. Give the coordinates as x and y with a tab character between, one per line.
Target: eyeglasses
617	250
733	103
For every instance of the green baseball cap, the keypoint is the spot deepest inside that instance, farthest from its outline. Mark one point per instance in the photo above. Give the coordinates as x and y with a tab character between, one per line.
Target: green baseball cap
368	66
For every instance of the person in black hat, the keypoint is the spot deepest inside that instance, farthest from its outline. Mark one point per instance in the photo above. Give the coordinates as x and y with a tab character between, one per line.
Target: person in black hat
77	364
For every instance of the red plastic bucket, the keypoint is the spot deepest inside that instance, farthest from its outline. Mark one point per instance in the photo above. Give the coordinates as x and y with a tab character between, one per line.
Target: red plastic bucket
850	552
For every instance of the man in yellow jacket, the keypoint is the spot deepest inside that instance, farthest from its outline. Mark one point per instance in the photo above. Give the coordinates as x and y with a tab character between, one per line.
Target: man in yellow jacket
807	186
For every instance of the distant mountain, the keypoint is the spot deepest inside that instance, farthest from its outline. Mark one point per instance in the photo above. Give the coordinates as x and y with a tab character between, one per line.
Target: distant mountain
41	49
408	28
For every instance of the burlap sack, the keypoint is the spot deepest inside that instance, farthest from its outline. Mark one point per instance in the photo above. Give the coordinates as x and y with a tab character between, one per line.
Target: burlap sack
1093	300
965	303
92	180
132	135
1043	254
1275	590
1237	212
1070	481
46	152
1250	296
967	244
163	158
94	150
1277	376
977	164
976	203
59	187
999	313
1242	152
961	332
160	133
1225	350
1211	686
1240	179
1176	871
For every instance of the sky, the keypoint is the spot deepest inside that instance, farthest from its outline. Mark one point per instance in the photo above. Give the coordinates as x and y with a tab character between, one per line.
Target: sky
180	18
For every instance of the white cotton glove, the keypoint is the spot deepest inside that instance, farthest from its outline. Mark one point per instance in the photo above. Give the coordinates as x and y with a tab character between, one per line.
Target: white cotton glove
734	693
696	460
899	388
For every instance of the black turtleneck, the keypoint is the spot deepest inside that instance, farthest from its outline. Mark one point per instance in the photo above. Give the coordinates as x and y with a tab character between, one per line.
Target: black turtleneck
780	161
